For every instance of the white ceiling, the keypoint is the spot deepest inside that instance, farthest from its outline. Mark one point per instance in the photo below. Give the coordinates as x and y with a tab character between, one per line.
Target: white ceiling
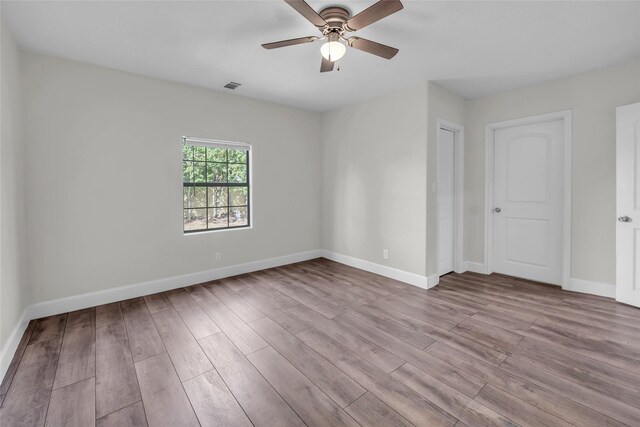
473	48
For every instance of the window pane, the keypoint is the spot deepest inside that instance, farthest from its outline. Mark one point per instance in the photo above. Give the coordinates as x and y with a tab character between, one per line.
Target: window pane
199	172
237	173
200	197
216	154
187	152
218	217
188	196
216	172
187	171
195	219
200	153
238	217
237	156
217	196
238	196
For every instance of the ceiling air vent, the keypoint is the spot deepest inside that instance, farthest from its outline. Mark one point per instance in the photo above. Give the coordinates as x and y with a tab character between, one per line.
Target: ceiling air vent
232	85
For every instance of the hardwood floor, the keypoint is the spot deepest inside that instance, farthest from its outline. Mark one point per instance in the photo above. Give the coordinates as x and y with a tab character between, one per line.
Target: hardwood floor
321	344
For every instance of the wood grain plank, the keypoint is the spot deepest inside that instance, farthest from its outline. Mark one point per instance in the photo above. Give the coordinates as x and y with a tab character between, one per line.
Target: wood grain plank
164	399
310	403
449	374
258	282
143	335
15	361
78	353
469	385
73	405
157	302
338	386
196	320
27	401
258	297
411	405
517	386
213	402
131	416
332	291
107	314
452	401
369	315
577	365
186	355
47	328
516	409
622	356
262	404
600	402
242	308
242	335
304	294
368	410
116	382
367	350
416	313
498	339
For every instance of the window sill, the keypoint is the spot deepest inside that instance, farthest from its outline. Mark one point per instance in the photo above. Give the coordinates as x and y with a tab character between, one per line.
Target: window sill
199	233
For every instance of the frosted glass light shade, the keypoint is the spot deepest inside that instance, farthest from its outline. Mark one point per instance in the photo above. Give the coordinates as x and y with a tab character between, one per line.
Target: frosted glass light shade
333	51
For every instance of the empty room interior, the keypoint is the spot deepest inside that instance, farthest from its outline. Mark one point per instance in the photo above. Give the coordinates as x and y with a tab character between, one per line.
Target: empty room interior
320	213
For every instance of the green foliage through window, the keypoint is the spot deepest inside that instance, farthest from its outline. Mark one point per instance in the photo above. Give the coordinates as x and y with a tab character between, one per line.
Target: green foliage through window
216	188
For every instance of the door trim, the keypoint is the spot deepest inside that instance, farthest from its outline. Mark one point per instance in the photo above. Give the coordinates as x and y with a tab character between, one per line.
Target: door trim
565	116
458	194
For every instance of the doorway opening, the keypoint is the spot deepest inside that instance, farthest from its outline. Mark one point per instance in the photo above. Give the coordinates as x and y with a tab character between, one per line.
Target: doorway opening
450	190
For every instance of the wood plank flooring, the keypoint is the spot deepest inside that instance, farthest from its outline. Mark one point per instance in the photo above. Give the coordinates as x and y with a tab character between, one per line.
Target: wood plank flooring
321	344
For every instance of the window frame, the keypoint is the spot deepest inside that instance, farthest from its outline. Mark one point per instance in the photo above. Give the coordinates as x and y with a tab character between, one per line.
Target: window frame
220	144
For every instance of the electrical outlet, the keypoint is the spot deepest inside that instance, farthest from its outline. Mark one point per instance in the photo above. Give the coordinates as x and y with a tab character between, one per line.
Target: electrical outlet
385	253
217	256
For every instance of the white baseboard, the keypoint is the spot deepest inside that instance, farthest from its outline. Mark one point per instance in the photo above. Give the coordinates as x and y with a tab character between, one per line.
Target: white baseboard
432	281
12	344
593	288
383	270
78	302
476	267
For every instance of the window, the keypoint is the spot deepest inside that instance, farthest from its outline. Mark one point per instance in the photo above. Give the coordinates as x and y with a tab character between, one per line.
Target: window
215	177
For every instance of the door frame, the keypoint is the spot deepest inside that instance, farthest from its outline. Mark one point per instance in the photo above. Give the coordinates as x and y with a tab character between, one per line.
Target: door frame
491	128
458	194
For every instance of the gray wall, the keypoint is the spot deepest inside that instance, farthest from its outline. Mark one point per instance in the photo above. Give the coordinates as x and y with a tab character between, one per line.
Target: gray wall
374	168
14	292
593	98
104	205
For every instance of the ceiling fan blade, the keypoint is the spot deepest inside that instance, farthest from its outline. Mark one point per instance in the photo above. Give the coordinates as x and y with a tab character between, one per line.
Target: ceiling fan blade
290	42
326	65
307	11
373	13
374	48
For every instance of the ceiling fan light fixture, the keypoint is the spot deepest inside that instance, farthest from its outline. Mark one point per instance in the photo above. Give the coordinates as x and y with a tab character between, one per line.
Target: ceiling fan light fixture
333	51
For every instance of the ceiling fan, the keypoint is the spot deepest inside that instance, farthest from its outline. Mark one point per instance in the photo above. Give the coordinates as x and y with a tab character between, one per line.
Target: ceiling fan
334	22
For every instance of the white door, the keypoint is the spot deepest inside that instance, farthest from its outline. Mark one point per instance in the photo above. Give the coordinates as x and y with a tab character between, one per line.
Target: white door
528	201
446	150
628	205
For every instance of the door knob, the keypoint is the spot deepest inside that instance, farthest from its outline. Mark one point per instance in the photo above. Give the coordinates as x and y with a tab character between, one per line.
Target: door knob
624	219
497	210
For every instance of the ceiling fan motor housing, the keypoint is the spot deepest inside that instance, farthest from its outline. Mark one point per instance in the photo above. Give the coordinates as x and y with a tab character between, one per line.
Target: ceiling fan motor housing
336	18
